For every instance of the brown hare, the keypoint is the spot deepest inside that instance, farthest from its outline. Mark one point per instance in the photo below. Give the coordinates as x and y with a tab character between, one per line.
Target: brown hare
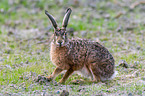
88	57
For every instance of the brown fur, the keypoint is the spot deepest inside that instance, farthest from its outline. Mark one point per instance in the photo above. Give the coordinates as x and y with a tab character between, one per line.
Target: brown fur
88	57
79	53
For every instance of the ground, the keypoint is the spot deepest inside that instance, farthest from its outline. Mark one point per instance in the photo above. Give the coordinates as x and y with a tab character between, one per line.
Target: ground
25	30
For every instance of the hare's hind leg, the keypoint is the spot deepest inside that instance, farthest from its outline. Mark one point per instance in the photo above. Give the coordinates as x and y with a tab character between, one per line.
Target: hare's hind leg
54	74
66	75
90	71
95	73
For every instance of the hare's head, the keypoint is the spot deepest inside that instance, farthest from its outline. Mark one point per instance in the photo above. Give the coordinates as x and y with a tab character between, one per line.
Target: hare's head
60	35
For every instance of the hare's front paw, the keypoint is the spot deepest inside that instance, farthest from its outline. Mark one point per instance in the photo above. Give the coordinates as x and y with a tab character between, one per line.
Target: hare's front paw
49	78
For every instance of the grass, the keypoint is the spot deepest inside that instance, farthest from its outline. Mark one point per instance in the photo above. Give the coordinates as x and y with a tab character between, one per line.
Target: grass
19	59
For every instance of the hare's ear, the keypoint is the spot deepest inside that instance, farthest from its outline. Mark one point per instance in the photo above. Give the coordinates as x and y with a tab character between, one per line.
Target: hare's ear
51	19
66	18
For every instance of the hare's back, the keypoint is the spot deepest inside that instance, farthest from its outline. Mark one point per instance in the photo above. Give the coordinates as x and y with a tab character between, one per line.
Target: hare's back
90	49
98	52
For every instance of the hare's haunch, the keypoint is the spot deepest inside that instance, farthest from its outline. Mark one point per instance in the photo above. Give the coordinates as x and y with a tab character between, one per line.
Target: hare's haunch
89	58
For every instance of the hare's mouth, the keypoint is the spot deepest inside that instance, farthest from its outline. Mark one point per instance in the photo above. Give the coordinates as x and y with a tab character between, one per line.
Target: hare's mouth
60	45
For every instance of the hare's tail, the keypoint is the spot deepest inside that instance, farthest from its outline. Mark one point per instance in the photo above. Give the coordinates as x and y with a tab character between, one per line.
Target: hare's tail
112	77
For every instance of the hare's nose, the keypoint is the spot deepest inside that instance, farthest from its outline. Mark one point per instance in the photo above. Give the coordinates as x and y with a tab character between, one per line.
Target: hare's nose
59	41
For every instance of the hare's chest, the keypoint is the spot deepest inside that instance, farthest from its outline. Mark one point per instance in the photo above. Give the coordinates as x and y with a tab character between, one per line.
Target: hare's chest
59	58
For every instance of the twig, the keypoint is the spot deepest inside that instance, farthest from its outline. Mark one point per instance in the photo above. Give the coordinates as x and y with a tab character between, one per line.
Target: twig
118	15
136	4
